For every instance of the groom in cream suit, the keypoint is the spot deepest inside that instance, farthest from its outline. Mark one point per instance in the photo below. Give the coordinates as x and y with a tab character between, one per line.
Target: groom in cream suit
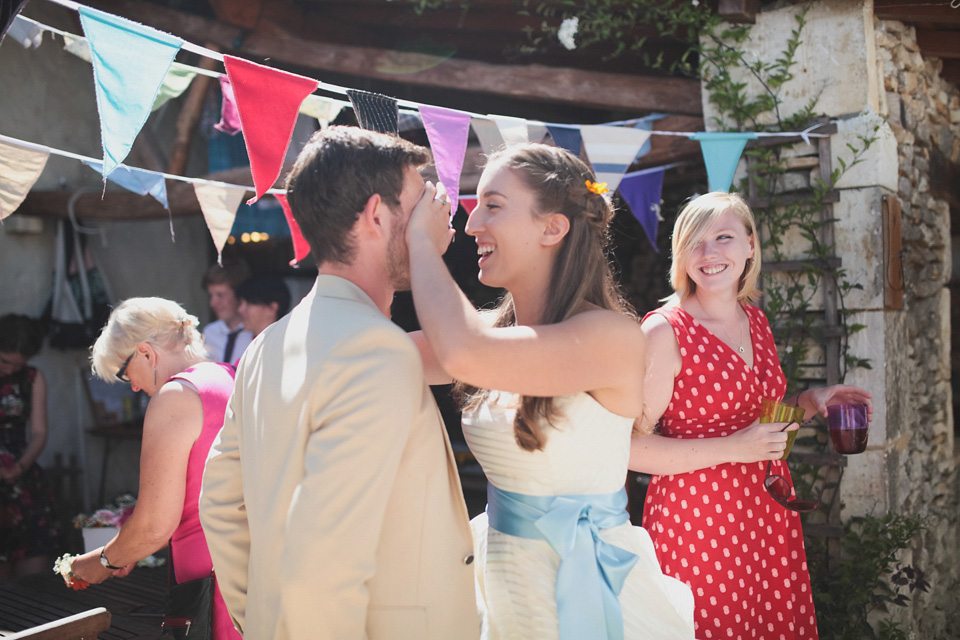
331	502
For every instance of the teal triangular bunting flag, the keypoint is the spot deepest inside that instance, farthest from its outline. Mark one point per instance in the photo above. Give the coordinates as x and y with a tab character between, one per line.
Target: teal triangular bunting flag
721	153
130	62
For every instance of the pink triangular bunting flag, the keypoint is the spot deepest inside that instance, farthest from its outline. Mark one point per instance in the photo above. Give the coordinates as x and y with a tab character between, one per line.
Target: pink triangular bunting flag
300	247
268	101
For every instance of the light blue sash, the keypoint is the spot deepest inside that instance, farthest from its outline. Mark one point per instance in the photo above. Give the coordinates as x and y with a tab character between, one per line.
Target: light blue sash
592	572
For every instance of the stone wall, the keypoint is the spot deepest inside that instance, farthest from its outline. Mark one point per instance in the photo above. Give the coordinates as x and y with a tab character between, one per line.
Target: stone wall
923	112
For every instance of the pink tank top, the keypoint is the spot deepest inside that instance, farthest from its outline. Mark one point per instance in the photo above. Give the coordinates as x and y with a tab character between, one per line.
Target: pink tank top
214	383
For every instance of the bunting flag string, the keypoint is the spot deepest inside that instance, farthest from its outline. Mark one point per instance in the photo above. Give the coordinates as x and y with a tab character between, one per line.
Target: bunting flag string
806	134
134	72
87	159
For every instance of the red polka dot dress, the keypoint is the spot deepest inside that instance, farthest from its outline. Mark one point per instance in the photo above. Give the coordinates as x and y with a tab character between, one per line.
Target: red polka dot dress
717	529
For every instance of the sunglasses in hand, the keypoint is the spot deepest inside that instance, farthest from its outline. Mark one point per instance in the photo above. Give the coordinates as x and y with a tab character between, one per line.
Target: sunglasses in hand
779	489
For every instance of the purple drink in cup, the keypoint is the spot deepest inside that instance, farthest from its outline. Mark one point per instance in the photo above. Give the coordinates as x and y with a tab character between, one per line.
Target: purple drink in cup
848	427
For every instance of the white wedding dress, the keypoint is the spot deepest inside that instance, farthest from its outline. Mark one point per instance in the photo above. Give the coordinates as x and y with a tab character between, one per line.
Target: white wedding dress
585	453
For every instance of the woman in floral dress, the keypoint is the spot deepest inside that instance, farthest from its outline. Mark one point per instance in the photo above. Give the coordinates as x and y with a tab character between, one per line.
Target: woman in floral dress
28	533
710	360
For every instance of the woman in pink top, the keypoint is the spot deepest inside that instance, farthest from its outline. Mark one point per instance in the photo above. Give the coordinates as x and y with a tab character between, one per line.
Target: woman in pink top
154	345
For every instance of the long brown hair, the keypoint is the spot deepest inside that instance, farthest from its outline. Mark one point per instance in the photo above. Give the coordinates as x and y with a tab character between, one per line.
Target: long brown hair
581	271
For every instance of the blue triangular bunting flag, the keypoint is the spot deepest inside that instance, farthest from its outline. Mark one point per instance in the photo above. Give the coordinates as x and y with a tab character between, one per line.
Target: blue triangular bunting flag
721	154
130	62
145	183
641	190
567	137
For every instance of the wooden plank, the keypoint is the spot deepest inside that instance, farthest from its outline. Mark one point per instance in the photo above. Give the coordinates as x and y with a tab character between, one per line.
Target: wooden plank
892	253
528	82
82	625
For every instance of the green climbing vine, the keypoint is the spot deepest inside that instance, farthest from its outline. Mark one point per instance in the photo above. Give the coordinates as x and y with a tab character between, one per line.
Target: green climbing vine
792	224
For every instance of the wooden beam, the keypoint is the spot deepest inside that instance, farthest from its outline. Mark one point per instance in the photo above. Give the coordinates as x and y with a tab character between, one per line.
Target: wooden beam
951	71
243	13
939	44
528	82
913	11
739	11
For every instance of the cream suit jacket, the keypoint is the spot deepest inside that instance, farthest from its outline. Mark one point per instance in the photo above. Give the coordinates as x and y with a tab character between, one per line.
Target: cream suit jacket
331	501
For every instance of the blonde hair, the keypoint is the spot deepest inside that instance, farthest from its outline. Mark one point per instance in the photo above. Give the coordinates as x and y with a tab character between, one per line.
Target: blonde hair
581	270
156	321
691	226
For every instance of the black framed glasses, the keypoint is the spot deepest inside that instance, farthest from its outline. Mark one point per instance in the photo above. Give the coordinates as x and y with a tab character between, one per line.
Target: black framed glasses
122	373
779	489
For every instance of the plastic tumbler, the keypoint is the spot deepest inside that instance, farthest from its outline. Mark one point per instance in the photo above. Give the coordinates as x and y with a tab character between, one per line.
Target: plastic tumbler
848	427
775	411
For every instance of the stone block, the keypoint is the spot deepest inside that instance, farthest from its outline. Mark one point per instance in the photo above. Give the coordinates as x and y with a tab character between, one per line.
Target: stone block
866	486
878	165
837	42
858	233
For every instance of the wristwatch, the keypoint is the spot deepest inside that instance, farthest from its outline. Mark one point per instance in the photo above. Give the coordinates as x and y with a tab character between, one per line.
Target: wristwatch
105	562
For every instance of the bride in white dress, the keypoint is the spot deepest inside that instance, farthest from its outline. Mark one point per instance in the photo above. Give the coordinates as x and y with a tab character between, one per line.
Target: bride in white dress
553	382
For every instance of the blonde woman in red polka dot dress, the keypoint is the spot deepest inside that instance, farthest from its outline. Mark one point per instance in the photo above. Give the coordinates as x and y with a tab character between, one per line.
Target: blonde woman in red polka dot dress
713	524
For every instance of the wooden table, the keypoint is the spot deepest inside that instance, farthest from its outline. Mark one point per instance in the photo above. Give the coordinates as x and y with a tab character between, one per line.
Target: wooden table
135	602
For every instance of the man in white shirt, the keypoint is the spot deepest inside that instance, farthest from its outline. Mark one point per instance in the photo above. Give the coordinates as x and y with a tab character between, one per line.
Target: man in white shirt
226	337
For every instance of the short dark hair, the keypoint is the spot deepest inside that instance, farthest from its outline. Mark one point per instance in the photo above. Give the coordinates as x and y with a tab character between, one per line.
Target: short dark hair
20	334
334	176
233	272
266	290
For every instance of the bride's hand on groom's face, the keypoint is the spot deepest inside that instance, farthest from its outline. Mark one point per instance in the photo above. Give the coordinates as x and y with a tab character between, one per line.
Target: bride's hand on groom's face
430	220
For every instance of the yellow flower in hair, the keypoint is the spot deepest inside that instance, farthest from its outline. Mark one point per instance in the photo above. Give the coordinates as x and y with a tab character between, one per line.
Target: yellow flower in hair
598	188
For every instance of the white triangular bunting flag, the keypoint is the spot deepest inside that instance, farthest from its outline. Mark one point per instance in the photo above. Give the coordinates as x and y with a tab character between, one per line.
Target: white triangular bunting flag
611	150
488	134
19	169
219	204
513	130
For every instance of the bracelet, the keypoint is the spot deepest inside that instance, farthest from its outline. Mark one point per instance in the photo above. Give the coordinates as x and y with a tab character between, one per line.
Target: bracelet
105	562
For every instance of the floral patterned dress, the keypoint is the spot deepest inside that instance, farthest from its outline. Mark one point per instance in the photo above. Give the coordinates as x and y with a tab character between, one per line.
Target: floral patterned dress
27	525
717	529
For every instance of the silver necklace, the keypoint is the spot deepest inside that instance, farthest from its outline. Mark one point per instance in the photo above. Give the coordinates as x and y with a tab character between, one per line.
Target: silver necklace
740	343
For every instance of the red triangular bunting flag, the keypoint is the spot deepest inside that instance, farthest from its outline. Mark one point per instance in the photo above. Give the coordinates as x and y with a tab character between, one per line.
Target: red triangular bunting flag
268	101
300	247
